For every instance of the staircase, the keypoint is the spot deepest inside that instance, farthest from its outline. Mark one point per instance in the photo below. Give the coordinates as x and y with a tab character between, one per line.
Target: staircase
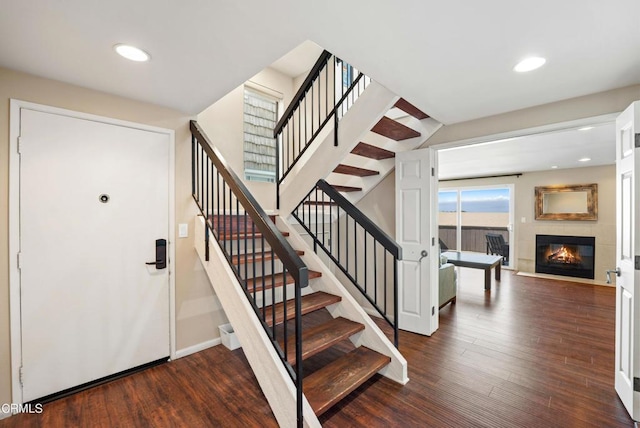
269	282
268	293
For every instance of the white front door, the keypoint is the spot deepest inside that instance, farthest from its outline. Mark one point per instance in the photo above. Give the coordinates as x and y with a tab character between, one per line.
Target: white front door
93	201
416	232
627	354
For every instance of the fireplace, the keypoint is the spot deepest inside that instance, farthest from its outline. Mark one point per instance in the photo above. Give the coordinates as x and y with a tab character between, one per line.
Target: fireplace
566	255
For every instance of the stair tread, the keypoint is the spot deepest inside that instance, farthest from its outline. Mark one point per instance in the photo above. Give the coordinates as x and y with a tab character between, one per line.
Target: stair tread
393	129
310	302
320	203
238	221
327	386
275	280
249	258
321	337
241	235
341	188
372	152
409	108
354	170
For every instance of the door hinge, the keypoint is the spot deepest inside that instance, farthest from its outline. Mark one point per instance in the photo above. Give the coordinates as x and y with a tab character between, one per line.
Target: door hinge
433	310
433	172
20	376
637	140
19	145
433	241
637	262
636	384
19	260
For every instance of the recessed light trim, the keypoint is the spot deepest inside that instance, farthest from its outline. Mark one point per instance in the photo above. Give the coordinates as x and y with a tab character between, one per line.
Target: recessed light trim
529	64
585	159
131	52
554	166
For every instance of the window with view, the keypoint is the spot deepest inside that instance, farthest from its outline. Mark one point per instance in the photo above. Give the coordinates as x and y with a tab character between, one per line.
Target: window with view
260	118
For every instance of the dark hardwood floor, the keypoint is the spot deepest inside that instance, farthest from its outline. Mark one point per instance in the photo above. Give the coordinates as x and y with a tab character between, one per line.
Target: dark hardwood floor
529	353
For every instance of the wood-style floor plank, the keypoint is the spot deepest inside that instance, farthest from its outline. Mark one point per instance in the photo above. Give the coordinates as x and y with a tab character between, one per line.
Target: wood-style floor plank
529	353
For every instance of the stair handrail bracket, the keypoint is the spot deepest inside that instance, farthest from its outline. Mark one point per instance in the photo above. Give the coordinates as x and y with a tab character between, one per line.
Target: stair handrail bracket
325	95
234	218
329	203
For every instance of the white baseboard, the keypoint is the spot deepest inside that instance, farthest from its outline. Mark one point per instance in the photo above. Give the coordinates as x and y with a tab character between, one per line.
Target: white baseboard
197	348
565	278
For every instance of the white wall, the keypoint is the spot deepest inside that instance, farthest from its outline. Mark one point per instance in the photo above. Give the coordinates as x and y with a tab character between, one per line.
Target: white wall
223	123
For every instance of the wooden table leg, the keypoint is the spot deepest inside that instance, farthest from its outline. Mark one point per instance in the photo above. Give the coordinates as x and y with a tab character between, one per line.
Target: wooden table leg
487	278
498	269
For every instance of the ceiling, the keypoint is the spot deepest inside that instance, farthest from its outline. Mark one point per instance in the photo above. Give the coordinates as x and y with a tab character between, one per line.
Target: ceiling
536	152
453	59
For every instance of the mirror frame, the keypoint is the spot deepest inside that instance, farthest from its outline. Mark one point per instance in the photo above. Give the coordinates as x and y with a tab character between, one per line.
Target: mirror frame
592	202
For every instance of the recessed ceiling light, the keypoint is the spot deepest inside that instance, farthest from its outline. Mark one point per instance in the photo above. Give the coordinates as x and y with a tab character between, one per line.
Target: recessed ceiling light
586	128
554	167
131	52
529	64
584	160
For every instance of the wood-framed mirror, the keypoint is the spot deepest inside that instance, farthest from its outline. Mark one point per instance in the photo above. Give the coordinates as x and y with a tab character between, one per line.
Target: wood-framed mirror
567	202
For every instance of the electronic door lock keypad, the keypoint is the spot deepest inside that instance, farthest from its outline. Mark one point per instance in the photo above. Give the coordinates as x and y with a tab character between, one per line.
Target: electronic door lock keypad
161	254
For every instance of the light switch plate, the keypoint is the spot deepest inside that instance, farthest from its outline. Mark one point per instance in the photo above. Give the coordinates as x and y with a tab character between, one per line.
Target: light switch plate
183	230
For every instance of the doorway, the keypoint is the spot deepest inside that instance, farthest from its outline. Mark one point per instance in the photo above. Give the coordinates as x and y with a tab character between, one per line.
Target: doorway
91	227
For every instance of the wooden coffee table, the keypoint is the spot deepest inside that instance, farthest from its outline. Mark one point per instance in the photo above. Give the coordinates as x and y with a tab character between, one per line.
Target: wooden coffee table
476	261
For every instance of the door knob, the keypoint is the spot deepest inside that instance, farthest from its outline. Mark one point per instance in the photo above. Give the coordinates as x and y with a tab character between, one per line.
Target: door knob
423	254
617	271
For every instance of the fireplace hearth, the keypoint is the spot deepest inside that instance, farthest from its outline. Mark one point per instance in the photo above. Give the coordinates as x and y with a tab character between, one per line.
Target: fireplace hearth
566	255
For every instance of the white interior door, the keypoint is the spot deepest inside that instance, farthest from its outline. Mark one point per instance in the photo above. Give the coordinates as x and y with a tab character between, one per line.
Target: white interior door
416	232
93	201
627	354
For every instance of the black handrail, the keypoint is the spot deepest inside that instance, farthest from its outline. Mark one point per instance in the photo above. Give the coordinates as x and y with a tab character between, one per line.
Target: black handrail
235	219
324	95
342	245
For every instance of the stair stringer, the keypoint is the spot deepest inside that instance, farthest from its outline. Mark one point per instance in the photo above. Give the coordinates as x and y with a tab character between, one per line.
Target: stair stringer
323	156
275	382
372	337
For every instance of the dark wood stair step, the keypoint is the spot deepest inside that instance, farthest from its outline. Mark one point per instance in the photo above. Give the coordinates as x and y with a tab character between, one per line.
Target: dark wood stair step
259	257
310	302
327	386
327	203
219	221
321	337
390	128
341	188
372	152
275	280
409	108
354	170
228	236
